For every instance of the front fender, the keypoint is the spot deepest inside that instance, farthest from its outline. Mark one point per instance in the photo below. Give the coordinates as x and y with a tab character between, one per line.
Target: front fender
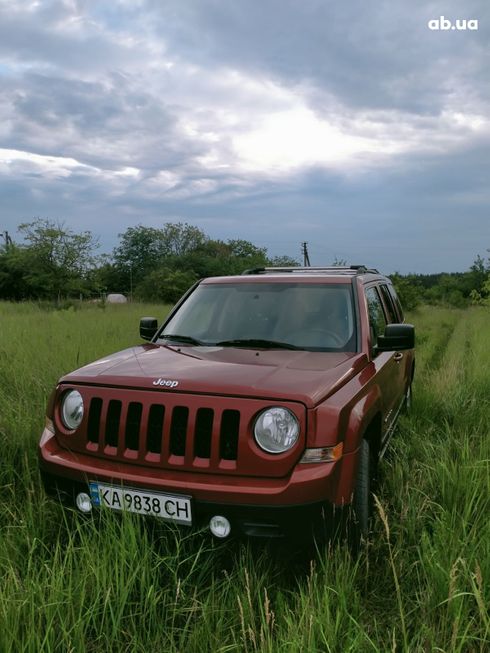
330	425
361	414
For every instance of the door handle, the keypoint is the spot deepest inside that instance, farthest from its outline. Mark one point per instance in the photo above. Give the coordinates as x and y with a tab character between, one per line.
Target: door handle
398	356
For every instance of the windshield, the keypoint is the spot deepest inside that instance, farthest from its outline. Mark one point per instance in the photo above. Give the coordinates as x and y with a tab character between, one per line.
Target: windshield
310	316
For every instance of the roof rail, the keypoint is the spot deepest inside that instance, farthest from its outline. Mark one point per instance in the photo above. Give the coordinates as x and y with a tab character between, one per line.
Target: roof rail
254	271
362	268
352	269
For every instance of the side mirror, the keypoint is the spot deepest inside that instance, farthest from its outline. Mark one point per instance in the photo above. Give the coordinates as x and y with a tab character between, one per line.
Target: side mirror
148	327
397	337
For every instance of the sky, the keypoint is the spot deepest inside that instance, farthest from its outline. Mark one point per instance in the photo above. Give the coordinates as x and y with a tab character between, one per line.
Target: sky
354	126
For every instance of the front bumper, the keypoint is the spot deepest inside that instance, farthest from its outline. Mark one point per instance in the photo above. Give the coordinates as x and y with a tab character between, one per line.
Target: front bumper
302	502
320	519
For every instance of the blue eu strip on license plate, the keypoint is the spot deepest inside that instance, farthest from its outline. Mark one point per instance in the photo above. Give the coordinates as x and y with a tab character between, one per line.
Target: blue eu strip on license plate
156	504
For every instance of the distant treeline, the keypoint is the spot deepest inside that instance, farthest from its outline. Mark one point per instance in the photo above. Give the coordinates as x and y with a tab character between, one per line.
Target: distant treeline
158	264
150	264
457	289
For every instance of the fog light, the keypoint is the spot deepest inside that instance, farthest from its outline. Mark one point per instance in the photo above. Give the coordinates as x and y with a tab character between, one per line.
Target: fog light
219	526
83	502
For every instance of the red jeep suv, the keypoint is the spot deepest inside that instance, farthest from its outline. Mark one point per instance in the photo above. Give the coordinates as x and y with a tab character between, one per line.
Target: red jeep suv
261	406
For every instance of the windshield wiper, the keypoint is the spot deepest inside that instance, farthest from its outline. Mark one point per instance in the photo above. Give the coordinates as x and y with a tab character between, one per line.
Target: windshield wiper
257	342
180	338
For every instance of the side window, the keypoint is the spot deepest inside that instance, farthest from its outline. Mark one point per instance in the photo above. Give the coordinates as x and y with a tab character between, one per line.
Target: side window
388	302
396	301
377	320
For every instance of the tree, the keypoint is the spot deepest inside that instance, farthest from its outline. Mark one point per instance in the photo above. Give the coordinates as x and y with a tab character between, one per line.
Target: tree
60	248
140	250
181	238
284	262
409	291
211	258
107	277
246	255
17	271
180	246
52	261
165	285
143	249
246	250
478	274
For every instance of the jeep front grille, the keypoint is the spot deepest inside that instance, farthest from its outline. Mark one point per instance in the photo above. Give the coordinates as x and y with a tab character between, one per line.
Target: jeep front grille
150	433
177	431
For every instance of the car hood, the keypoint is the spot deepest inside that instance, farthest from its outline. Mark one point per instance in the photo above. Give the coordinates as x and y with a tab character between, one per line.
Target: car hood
308	377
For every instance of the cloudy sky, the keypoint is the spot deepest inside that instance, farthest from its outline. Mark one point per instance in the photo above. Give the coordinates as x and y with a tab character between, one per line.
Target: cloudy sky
350	125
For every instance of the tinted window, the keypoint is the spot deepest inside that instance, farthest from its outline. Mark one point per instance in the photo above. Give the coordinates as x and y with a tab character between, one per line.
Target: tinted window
396	301
377	320
390	308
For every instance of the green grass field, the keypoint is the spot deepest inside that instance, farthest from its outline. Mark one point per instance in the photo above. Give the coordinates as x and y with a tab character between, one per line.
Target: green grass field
110	584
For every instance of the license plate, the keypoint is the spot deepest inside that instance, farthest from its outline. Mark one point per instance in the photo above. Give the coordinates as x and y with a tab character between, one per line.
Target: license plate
157	504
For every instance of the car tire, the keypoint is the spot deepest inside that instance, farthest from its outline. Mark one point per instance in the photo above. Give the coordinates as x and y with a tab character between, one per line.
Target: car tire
362	504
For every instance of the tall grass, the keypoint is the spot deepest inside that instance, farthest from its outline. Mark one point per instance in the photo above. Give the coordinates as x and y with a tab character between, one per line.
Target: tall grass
120	583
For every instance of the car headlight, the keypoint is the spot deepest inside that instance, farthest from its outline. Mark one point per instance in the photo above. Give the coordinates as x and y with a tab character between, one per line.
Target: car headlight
72	410
276	430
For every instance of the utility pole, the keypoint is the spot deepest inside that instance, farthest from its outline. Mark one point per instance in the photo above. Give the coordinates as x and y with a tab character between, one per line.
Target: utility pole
306	258
8	240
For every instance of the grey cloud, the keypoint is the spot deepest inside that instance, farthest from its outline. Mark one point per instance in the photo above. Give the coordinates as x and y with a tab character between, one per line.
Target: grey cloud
54	35
368	54
107	123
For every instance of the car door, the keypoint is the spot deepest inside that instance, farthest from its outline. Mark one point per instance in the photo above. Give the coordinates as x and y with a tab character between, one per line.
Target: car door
390	370
394	313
